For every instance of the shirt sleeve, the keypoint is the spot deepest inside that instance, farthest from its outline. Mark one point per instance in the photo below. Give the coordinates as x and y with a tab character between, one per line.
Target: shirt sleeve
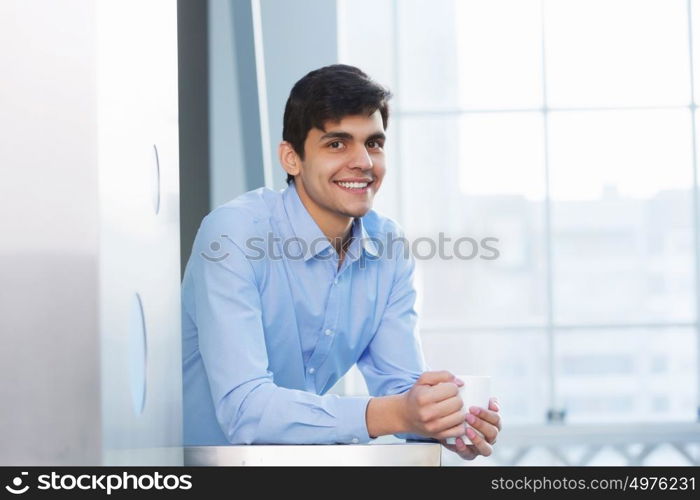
250	407
393	361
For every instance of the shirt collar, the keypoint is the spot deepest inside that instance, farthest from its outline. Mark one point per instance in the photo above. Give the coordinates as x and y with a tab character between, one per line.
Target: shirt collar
313	241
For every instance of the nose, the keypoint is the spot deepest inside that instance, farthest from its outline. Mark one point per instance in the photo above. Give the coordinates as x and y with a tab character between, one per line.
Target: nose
361	159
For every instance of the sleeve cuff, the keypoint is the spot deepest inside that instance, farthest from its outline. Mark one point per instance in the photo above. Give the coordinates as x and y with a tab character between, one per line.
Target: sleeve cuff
352	420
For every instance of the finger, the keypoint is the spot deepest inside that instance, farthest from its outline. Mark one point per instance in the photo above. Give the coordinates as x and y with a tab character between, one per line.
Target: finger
453	432
442	409
450	447
491	417
432	378
494	404
450	422
482	447
470	453
489	431
464	451
441	392
448	407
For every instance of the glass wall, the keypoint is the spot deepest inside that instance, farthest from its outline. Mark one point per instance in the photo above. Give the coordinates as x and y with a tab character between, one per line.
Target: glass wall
566	131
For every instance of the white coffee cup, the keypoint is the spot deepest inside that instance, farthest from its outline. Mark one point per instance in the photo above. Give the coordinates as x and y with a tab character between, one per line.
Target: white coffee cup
476	391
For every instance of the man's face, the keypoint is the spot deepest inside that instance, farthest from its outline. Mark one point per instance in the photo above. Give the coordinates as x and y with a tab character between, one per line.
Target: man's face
343	165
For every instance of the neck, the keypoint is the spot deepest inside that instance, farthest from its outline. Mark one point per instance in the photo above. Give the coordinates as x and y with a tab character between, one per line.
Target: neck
336	227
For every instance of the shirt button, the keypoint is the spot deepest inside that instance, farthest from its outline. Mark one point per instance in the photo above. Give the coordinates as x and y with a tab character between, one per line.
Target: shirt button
312	370
335	281
355	440
329	332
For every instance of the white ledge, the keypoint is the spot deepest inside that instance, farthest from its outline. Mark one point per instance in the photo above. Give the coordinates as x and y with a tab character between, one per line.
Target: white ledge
397	454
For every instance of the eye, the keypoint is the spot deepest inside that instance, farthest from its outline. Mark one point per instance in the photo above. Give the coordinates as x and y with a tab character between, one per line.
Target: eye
375	144
335	145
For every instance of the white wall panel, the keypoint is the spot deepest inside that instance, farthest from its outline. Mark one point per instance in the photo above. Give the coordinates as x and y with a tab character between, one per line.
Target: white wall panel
49	388
88	89
139	233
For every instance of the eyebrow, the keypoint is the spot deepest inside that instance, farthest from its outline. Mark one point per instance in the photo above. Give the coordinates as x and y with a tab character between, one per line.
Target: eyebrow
348	136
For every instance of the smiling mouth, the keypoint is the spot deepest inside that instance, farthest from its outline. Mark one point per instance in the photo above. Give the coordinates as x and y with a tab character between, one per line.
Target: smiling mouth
358	187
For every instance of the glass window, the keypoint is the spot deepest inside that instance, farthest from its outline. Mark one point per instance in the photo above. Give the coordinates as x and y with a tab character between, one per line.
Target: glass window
519	381
591	202
499	54
616	53
606	375
494	259
427	55
621	212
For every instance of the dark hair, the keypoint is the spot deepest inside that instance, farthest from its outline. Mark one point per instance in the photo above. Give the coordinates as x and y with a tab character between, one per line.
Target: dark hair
330	93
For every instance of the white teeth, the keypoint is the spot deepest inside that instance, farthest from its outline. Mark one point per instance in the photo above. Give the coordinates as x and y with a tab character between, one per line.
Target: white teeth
355	185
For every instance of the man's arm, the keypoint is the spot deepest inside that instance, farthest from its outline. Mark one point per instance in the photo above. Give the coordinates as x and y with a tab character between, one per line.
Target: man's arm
409	401
386	415
250	407
430	408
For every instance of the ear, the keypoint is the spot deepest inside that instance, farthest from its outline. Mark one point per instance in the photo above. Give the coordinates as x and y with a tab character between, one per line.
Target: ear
289	158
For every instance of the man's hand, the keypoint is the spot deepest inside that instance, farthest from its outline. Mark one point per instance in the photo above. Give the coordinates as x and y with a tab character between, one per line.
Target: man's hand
433	406
488	422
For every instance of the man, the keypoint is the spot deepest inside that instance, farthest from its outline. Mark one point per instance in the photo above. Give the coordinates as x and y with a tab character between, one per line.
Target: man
285	291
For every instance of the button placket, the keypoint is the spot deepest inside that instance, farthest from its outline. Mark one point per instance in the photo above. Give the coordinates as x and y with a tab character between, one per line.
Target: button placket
329	327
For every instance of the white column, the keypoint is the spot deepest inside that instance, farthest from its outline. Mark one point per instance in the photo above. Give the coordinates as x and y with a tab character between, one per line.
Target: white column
90	221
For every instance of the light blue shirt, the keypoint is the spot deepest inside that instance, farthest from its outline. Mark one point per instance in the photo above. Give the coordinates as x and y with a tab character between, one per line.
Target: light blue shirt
266	336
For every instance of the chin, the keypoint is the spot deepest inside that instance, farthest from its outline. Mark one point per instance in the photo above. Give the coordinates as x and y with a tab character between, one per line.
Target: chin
360	211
